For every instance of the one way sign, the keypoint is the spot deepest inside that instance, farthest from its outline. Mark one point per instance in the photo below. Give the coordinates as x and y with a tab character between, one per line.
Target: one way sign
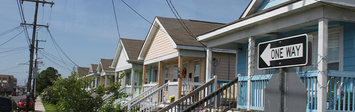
285	52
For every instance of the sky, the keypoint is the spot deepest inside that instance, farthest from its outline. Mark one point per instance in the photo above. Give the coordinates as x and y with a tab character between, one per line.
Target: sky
85	30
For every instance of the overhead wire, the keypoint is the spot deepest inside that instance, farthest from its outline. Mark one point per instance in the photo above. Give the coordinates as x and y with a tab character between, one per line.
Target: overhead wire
50	34
15	49
43	52
23	20
114	12
204	46
11	38
55	46
9	31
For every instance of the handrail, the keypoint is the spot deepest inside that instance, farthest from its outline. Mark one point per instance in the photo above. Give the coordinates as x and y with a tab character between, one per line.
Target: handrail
139	96
195	93
117	100
146	97
216	98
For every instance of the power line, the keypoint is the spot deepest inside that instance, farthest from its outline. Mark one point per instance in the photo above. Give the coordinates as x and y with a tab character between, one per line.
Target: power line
11	38
23	20
114	12
60	48
43	52
8	31
178	17
55	46
15	49
136	12
18	52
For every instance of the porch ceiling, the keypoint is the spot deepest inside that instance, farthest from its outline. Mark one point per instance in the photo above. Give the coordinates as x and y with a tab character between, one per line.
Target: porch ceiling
287	22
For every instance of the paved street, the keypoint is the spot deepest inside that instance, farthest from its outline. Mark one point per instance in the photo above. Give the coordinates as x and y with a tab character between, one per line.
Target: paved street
38	104
17	98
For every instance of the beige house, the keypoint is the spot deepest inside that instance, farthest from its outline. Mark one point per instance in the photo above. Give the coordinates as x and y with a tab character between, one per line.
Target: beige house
169	48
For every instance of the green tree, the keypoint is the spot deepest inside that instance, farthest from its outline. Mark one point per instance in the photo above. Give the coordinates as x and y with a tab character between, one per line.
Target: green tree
45	78
73	98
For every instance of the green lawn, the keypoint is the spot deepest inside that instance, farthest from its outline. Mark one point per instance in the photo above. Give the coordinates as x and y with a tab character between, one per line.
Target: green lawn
49	107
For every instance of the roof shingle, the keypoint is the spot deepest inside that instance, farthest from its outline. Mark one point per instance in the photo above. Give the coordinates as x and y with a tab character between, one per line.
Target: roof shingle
132	47
82	71
106	63
180	36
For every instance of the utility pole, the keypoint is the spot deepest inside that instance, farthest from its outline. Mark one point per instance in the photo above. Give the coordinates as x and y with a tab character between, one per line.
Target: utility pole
32	50
35	74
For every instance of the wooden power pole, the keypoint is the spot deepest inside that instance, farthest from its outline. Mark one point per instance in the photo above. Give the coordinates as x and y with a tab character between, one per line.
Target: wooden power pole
32	50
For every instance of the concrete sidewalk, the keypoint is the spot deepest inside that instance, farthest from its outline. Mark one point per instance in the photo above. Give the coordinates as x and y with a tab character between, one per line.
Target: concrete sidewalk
38	105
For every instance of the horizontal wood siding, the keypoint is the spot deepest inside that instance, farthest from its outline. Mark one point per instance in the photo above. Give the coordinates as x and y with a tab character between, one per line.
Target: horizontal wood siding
160	46
225	61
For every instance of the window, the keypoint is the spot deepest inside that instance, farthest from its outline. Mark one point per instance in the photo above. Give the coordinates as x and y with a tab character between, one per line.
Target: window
334	51
155	74
4	80
166	74
196	71
175	72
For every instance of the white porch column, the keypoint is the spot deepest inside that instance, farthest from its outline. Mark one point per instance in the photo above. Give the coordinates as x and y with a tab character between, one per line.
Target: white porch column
251	44
322	64
208	64
132	80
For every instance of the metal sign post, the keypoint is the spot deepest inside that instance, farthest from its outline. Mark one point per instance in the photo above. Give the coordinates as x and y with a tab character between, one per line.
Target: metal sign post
285	92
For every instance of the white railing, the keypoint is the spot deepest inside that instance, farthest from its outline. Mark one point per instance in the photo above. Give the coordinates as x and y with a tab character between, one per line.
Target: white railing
150	90
152	100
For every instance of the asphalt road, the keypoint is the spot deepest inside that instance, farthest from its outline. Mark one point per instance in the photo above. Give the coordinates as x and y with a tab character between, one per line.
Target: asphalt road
17	98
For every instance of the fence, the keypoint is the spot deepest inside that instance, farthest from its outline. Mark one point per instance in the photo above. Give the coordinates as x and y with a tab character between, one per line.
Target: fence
340	88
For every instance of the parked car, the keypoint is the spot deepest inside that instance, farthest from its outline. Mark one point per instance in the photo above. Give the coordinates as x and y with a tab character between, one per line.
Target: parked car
7	105
22	104
13	93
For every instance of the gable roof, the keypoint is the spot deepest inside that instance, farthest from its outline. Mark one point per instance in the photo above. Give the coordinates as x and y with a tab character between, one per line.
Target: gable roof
180	36
105	65
177	33
249	14
82	71
93	68
132	48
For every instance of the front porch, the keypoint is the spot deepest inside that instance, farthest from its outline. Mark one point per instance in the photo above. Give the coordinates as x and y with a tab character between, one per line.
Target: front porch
340	89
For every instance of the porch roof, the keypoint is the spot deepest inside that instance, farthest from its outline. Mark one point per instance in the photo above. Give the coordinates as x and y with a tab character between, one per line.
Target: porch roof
284	17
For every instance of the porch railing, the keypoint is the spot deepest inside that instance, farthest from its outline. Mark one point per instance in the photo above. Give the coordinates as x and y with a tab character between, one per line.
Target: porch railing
152	100
191	98
223	99
258	84
340	89
145	93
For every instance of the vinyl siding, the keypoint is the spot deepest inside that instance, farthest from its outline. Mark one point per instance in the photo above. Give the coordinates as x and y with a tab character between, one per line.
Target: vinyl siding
122	63
349	47
226	61
160	46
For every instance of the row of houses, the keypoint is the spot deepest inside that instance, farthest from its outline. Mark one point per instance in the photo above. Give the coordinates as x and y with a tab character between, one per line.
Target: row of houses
175	61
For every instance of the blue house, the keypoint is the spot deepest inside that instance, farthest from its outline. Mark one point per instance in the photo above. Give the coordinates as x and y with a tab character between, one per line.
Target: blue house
329	76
